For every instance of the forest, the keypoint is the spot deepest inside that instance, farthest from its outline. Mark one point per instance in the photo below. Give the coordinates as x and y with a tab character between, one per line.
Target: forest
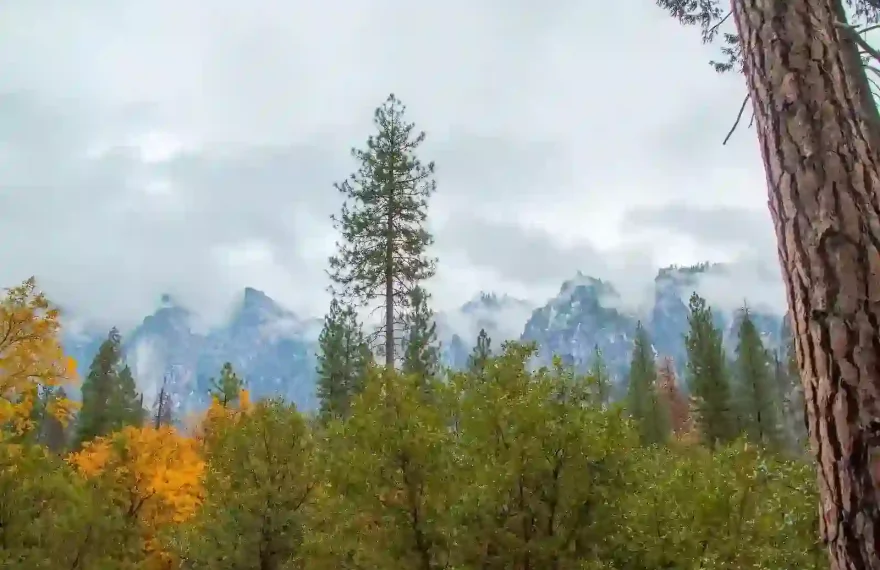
763	458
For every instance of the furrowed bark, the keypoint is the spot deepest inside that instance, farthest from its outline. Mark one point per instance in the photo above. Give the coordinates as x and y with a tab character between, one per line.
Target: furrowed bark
818	142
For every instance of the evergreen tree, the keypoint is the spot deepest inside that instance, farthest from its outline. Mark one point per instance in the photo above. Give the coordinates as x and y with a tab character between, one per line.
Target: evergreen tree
755	392
790	394
47	429
421	356
384	239
109	397
481	353
599	374
707	375
643	402
342	360
228	388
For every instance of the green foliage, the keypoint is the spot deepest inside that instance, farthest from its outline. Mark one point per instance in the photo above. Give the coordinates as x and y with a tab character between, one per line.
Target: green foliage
756	405
50	518
599	373
643	400
109	395
261	479
389	470
47	429
707	375
227	389
687	507
481	353
382	254
421	356
342	360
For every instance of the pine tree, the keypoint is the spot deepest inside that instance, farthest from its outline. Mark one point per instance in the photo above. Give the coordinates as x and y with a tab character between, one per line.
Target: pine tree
342	360
384	239
599	374
755	391
481	353
48	429
421	356
643	402
228	388
109	397
707	375
804	64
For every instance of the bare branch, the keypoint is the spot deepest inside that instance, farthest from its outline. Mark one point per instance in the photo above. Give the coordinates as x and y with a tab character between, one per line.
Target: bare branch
738	119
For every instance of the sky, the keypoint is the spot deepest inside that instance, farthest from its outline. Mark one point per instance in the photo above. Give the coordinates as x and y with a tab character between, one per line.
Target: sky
191	147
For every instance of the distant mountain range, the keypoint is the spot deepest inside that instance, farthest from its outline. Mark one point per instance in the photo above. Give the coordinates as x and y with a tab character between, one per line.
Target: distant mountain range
274	349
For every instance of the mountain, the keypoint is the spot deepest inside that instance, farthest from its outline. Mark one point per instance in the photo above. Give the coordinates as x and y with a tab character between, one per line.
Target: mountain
274	349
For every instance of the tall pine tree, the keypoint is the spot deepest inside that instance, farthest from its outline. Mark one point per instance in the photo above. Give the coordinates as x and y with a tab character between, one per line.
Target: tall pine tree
421	356
163	409
481	353
707	375
109	396
754	385
382	254
643	401
342	360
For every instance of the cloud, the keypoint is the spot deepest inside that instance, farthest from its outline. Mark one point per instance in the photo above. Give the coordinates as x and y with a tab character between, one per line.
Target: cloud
156	147
744	240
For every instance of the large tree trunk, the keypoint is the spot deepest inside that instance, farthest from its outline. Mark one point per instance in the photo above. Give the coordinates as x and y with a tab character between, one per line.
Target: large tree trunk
821	162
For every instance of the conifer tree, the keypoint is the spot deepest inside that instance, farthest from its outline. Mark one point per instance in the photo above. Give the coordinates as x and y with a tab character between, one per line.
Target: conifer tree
421	356
47	428
643	402
382	254
227	388
599	374
342	360
481	353
109	397
755	401
708	376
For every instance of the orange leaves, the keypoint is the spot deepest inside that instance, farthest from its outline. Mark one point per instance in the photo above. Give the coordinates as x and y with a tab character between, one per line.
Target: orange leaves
155	475
30	355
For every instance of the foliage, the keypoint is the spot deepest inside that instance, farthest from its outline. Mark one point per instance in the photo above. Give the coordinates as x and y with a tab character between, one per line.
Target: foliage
599	372
754	387
387	473
481	353
707	375
735	508
421	356
153	477
382	254
342	360
109	397
227	389
31	359
643	401
260	480
678	409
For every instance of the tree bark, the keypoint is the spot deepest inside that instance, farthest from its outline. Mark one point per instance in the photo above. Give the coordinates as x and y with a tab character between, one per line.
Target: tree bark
817	142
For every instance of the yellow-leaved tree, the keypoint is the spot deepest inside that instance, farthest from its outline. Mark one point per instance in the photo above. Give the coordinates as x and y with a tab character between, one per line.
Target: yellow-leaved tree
152	476
32	362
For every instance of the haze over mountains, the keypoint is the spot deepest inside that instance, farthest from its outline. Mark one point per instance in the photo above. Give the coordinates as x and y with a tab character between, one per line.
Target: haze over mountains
275	349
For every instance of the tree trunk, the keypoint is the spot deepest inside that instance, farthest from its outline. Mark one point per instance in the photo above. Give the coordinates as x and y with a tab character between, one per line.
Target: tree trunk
389	290
821	163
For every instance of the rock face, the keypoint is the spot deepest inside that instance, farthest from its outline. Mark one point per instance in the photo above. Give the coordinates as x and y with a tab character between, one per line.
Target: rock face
274	349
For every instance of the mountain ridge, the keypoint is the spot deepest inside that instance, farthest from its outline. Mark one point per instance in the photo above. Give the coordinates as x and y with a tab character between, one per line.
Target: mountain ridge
274	349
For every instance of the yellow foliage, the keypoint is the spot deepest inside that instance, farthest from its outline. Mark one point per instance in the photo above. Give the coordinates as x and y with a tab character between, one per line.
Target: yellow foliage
31	356
156	474
217	415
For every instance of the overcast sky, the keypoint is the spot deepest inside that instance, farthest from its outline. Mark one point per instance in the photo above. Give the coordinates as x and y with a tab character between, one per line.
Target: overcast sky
191	147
